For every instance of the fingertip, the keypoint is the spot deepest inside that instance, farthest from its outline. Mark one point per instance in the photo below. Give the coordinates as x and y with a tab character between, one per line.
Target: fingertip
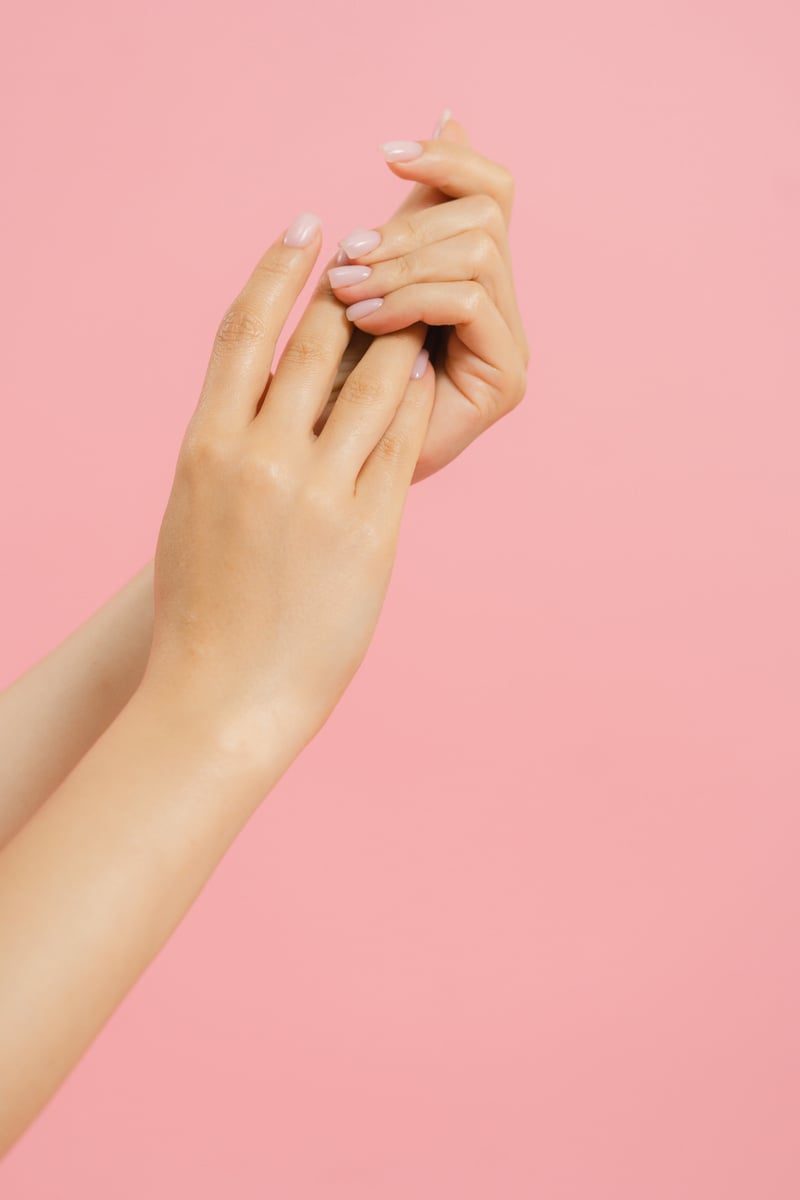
302	231
456	133
363	308
422	383
440	124
420	364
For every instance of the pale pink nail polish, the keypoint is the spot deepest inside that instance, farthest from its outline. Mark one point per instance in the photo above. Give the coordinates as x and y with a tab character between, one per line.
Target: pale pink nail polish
363	308
440	124
341	259
360	241
302	229
344	276
418	369
401	151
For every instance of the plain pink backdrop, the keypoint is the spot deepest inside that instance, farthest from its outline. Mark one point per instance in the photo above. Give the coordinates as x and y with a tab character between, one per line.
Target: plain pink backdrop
522	921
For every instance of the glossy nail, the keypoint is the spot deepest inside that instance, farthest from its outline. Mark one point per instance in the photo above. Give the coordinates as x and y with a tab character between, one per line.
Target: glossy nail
440	124
360	241
341	259
418	369
401	151
302	229
363	308
344	276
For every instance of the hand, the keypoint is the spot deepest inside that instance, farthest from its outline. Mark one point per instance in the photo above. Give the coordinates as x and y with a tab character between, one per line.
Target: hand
444	259
277	545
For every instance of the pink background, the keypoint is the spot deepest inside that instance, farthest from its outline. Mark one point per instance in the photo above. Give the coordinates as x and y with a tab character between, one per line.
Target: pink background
523	920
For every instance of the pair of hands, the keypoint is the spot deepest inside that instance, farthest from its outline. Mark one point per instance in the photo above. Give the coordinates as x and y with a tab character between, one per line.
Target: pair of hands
280	533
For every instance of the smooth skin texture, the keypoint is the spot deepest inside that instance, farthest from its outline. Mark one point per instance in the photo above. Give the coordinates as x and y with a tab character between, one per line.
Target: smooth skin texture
94	672
444	258
264	519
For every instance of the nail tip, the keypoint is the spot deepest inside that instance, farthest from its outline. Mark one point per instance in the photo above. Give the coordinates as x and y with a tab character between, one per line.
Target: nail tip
440	124
302	229
363	308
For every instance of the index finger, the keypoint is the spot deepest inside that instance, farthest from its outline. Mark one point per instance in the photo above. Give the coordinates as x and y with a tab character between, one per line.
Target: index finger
451	168
421	195
244	344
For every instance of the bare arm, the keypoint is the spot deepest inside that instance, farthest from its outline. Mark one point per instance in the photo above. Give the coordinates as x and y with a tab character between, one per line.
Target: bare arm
98	878
271	567
51	715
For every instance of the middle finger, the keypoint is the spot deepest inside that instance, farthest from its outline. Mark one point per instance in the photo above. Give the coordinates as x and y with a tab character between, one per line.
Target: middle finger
308	367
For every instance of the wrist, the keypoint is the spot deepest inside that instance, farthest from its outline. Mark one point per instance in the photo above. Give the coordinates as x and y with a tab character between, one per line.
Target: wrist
256	740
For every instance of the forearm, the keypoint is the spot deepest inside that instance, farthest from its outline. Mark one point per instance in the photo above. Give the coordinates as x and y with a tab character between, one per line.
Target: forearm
52	714
93	885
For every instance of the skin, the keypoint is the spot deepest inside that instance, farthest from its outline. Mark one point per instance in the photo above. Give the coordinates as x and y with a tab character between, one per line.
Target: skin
95	671
444	258
264	519
196	686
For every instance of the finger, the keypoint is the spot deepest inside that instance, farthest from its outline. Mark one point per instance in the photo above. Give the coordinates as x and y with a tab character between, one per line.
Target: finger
244	344
400	235
383	482
421	196
453	169
465	305
308	367
355	351
367	403
472	254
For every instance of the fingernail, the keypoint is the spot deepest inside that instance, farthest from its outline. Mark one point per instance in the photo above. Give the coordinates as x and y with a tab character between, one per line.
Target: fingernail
440	124
341	258
360	241
302	229
418	369
363	308
342	276
401	151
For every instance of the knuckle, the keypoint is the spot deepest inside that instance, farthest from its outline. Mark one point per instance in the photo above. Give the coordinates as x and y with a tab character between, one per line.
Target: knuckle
473	298
364	387
240	326
274	270
403	270
408	230
391	447
520	390
204	453
257	471
490	215
304	351
320	503
483	248
505	183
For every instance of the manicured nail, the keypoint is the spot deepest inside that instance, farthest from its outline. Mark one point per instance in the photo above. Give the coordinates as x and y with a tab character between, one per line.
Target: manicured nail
401	151
440	124
418	369
363	308
360	241
302	229
341	258
343	276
